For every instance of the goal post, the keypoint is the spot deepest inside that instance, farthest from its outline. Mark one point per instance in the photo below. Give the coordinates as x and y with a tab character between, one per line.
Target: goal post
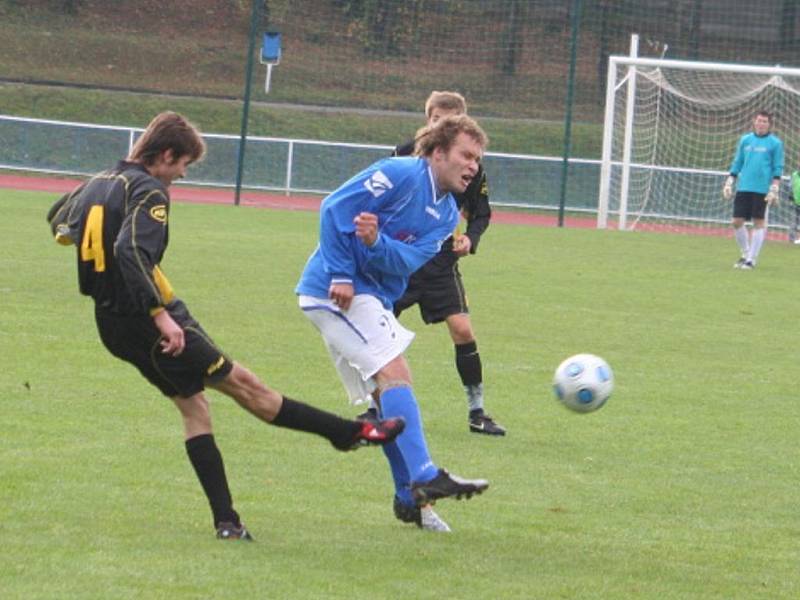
670	133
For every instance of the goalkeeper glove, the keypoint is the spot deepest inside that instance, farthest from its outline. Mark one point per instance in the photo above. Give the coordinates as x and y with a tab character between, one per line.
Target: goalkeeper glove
727	189
773	194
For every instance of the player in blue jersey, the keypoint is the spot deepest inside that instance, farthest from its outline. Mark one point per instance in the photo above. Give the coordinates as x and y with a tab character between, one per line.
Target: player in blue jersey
437	287
758	165
375	231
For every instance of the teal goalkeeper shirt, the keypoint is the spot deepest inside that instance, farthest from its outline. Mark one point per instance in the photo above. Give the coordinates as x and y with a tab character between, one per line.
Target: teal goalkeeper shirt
758	160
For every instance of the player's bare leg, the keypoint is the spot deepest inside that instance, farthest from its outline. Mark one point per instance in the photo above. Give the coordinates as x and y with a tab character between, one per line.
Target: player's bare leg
208	466
272	407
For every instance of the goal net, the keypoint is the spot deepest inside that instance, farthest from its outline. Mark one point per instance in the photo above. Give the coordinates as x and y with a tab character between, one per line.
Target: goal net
671	131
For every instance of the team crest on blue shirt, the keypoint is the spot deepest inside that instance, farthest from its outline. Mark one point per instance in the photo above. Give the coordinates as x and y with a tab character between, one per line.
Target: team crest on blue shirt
378	184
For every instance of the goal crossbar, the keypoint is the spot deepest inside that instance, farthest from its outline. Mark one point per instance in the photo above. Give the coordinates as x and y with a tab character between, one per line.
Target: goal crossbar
633	64
693	65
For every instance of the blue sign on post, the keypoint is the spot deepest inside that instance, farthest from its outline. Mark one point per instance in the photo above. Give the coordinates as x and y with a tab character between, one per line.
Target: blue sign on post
270	54
271	49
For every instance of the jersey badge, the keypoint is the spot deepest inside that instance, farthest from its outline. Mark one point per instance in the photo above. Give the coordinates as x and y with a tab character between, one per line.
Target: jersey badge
378	184
159	213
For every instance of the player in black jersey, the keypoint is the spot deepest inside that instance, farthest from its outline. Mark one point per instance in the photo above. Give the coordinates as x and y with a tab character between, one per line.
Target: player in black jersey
119	222
438	288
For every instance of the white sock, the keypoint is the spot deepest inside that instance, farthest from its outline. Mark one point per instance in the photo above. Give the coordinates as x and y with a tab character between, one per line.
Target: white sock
474	396
755	245
741	238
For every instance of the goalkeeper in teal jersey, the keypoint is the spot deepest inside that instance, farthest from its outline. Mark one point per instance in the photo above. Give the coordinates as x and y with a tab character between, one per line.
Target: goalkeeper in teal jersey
758	165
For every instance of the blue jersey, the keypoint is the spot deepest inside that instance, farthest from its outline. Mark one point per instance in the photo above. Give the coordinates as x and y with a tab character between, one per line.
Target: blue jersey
758	160
413	221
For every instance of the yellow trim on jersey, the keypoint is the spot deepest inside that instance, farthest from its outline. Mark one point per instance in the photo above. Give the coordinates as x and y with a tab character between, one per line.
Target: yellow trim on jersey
150	277
163	285
63	235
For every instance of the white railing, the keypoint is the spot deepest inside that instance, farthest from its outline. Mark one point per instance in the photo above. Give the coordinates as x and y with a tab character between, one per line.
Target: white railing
287	165
298	166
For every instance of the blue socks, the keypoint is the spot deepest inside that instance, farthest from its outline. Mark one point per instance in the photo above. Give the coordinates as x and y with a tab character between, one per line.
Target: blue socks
410	445
402	480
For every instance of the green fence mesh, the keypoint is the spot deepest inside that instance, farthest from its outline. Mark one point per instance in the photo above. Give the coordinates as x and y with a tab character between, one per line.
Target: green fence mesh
510	58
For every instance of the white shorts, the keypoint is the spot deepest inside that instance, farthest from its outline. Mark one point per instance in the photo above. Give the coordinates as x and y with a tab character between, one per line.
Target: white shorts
361	341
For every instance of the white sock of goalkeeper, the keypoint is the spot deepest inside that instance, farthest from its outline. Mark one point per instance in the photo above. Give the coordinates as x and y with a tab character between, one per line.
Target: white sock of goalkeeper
741	239
756	243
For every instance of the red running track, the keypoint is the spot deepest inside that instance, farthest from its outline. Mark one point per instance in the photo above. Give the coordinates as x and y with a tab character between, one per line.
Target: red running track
59	185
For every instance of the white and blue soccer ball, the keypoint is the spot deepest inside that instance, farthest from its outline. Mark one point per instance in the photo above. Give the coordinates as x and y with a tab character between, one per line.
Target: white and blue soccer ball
583	382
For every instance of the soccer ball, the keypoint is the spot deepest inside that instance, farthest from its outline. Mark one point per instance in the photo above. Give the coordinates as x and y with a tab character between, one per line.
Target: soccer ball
583	382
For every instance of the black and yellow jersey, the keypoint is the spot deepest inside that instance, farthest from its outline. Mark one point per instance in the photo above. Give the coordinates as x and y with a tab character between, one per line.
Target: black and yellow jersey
474	206
119	222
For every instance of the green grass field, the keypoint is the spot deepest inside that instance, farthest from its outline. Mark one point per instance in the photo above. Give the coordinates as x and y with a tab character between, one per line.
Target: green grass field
683	486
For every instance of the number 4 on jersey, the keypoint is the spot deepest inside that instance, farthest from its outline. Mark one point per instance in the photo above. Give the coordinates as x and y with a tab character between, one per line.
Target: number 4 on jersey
92	242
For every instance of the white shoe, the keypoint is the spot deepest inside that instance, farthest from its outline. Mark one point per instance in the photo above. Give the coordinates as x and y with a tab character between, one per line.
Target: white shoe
431	521
739	263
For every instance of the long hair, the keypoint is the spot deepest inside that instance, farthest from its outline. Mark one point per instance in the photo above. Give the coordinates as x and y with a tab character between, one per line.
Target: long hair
443	133
168	131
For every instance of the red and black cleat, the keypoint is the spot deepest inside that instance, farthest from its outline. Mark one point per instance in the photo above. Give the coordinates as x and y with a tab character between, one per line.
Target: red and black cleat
376	433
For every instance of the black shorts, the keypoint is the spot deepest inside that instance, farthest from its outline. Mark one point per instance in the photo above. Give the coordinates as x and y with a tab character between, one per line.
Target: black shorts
749	206
135	339
438	295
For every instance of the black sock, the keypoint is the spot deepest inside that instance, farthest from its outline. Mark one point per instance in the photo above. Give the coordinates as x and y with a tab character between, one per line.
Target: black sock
207	462
303	417
468	363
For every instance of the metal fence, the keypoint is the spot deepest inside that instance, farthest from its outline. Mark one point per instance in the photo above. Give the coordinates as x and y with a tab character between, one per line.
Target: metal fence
289	166
297	166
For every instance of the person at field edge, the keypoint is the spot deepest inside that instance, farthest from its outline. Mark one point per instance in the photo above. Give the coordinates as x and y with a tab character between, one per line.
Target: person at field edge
377	229
119	222
794	181
758	165
437	287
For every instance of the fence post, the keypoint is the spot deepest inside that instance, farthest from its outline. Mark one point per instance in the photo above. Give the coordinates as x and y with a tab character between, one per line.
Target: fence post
289	166
577	6
251	46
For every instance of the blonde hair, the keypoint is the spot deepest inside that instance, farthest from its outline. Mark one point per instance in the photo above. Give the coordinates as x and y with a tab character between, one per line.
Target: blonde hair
443	133
168	131
449	101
